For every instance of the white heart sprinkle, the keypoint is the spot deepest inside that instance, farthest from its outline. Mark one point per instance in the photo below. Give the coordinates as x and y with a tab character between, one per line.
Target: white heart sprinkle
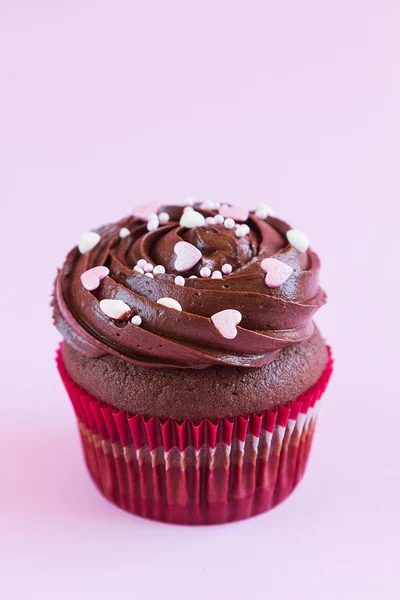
229	223
192	219
170	303
159	270
114	308
298	239
179	280
123	232
136	320
216	275
205	272
227	269
88	241
187	256
91	278
225	322
163	217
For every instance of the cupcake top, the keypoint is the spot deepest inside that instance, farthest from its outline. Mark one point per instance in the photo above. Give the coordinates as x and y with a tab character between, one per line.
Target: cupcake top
189	287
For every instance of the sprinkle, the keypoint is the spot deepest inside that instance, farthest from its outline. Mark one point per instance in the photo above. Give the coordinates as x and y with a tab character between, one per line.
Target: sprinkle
245	228
263	211
188	209
210	205
193	277
92	277
190	201
219	219
159	270
277	271
205	272
227	269
148	268
123	232
114	308
179	280
149	275
170	303
240	232
211	221
138	270
152	217
163	217
238	213
136	320
142	262
192	219
298	240
225	322
216	275
229	223
187	256
153	224
88	241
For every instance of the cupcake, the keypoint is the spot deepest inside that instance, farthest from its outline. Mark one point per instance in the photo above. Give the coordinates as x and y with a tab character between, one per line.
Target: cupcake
191	359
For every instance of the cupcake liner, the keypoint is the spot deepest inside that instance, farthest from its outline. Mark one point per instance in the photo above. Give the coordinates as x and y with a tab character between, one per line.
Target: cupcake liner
196	472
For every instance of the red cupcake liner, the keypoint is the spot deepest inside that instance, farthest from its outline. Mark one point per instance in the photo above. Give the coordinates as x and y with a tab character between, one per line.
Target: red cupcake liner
196	472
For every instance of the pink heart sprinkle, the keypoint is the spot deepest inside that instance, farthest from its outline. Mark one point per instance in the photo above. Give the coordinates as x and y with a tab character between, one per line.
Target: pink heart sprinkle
238	213
187	256
226	321
91	278
277	272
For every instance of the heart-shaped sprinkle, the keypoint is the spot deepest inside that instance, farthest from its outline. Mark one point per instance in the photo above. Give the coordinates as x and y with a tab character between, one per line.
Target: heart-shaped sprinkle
226	321
114	308
191	219
123	232
238	213
92	277
170	303
136	320
277	272
298	240
187	256
88	241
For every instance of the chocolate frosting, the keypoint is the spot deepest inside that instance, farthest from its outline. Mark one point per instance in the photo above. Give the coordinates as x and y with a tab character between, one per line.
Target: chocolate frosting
272	318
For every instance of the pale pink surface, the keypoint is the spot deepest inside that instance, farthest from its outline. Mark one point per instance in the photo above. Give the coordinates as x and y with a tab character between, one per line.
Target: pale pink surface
295	104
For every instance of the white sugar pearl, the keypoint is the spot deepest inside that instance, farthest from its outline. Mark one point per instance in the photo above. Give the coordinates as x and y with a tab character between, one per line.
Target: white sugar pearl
240	232
216	275
298	239
153	224
210	205
163	217
123	232
142	262
148	268
152	217
188	209
229	223
138	270
263	211
245	228
193	277
88	241
170	302
136	320
211	221
149	275
159	270
114	308
227	269
190	201
192	219
219	219
179	280
205	272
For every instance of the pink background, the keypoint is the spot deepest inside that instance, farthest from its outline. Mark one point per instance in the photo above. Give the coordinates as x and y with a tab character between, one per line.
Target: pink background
108	104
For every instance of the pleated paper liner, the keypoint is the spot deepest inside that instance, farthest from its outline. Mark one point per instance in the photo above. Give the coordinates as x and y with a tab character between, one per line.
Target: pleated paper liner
196	473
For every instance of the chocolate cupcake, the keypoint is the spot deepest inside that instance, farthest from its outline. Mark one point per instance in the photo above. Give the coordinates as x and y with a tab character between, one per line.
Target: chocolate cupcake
191	359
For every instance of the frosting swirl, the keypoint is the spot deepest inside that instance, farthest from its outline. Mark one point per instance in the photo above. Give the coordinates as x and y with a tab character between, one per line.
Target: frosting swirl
271	317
